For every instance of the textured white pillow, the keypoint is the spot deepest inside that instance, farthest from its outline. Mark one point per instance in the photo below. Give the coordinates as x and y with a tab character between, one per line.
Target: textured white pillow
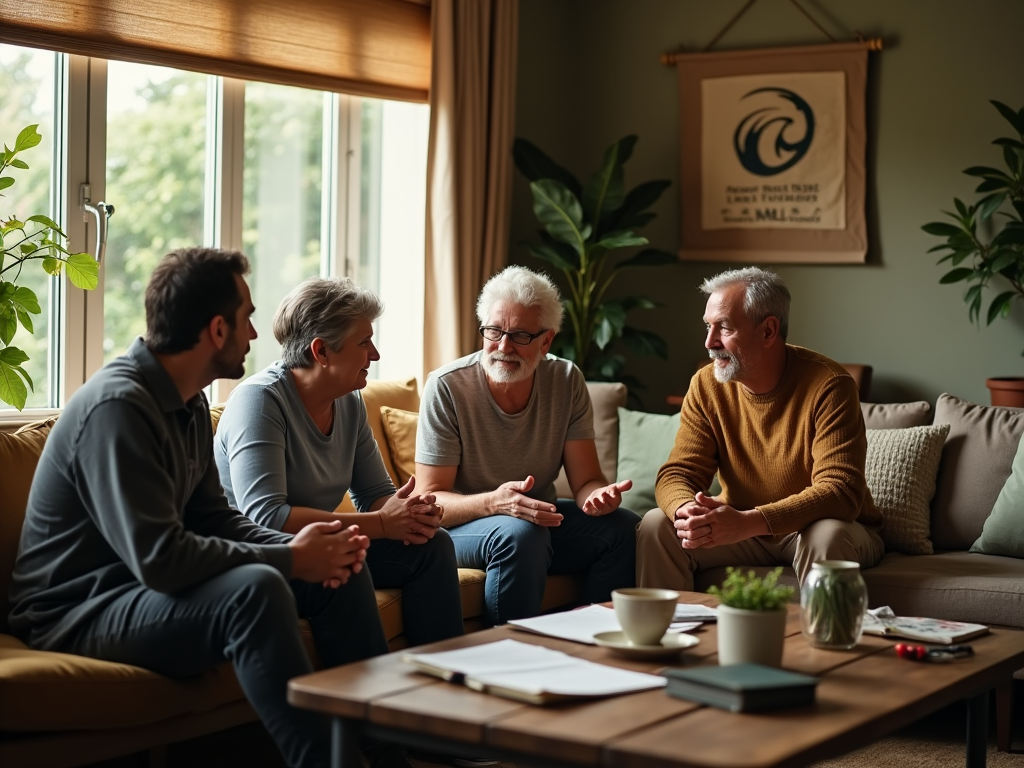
900	471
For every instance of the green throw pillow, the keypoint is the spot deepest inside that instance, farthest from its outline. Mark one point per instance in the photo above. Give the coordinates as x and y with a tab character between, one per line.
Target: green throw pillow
645	441
1003	533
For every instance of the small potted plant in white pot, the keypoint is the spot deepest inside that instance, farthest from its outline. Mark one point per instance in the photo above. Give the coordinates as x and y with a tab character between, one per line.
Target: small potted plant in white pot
752	617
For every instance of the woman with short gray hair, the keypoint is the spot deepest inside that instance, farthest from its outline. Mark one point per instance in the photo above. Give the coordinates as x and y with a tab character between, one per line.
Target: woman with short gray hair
294	438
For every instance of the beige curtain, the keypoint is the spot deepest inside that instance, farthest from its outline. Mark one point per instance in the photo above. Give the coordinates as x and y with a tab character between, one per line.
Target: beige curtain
469	166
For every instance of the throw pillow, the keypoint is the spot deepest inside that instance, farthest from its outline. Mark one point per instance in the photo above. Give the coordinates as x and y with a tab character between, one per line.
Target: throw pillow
400	435
645	441
900	472
1003	533
976	461
605	398
896	415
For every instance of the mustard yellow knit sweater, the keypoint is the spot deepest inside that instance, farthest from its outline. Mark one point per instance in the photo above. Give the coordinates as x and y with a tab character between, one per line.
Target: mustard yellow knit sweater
796	453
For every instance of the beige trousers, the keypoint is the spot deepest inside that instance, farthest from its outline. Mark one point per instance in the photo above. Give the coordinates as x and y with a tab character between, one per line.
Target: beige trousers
661	560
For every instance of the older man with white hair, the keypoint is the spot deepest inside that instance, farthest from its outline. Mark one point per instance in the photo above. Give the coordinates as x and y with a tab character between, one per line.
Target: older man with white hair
782	427
495	428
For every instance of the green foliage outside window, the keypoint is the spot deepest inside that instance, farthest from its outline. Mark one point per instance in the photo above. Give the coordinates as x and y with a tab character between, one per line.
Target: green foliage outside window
38	239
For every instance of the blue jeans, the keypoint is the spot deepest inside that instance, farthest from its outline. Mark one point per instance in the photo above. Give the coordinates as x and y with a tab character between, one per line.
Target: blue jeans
247	615
518	556
429	580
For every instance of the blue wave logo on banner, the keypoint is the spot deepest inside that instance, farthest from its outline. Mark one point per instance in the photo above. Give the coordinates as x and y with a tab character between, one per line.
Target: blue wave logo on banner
753	137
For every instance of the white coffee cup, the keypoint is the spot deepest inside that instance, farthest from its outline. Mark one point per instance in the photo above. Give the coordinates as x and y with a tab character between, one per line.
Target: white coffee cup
644	613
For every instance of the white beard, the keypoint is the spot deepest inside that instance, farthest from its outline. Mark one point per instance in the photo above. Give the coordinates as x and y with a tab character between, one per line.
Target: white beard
729	372
501	374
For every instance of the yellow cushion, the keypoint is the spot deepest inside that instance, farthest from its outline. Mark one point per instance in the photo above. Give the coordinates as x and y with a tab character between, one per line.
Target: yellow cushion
19	454
400	429
44	691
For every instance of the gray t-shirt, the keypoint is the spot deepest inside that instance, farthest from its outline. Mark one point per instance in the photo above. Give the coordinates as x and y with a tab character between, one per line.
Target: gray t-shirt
460	424
271	455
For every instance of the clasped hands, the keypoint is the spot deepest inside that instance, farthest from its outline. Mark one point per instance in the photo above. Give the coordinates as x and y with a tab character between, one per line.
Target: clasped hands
510	499
411	518
708	522
328	553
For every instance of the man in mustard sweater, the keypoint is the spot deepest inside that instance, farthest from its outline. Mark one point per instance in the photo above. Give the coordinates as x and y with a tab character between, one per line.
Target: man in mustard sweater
782	427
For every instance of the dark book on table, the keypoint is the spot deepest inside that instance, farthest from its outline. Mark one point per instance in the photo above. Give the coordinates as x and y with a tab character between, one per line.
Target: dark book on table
742	687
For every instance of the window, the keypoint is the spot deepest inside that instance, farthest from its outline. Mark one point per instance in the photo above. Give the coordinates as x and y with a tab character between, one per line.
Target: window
304	182
26	91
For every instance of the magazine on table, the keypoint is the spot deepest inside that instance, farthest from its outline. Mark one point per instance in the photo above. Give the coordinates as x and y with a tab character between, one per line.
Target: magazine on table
882	621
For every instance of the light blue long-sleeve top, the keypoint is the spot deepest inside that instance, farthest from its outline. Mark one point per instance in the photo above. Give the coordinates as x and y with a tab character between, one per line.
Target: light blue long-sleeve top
272	456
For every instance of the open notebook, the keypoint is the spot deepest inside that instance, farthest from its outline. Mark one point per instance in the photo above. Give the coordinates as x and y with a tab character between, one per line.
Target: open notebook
530	673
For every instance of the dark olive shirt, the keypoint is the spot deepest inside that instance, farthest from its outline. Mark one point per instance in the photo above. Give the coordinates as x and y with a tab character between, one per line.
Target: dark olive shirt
126	494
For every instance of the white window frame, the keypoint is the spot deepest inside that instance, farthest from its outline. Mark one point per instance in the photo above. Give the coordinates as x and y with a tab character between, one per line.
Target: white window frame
80	117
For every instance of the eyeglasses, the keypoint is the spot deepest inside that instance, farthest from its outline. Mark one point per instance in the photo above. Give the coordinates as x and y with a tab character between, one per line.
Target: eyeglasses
522	338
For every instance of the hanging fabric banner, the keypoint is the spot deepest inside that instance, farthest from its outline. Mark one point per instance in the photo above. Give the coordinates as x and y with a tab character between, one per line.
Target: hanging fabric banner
773	154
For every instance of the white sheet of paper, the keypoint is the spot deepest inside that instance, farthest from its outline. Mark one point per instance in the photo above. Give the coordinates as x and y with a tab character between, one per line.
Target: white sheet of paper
577	678
495	658
580	625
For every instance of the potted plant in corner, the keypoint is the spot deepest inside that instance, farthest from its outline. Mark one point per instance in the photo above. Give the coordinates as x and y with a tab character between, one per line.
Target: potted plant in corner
582	227
752	617
37	238
995	254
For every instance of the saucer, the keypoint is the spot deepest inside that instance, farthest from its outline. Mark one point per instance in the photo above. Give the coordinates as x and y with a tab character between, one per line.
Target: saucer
671	645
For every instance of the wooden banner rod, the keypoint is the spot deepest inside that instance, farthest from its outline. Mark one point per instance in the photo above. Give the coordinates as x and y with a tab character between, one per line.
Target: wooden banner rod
669	59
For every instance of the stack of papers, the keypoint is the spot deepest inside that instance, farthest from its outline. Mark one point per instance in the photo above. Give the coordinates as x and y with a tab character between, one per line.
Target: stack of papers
530	673
581	625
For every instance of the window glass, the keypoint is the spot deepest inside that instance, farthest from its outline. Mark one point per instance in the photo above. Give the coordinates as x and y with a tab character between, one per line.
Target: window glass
281	211
156	167
401	183
27	92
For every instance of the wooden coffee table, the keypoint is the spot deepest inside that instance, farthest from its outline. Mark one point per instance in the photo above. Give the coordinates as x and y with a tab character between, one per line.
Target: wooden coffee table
865	694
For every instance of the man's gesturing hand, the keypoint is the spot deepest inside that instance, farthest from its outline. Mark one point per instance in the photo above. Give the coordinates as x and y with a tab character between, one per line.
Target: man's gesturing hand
510	499
409	518
328	553
606	499
707	522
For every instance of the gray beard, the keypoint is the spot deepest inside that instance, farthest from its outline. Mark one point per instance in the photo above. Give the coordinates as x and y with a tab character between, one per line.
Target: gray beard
729	372
501	375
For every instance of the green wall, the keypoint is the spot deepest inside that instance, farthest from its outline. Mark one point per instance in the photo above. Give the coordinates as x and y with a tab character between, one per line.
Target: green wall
589	74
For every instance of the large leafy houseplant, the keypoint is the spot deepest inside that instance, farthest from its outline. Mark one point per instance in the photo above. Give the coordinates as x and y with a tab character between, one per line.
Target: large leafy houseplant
979	257
583	226
36	238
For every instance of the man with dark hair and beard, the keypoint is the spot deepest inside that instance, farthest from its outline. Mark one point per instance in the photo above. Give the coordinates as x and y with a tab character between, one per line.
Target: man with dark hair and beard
130	552
495	428
782	427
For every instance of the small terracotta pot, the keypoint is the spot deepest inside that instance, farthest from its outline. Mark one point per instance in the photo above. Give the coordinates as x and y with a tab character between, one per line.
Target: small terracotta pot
1008	391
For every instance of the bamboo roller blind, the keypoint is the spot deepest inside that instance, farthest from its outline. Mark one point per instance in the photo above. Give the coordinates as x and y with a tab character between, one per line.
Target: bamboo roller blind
377	48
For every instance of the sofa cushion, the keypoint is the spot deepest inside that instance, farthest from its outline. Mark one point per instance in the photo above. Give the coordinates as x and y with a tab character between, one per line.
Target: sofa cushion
959	586
44	691
976	461
607	398
400	433
645	441
896	415
19	454
396	394
1003	533
900	472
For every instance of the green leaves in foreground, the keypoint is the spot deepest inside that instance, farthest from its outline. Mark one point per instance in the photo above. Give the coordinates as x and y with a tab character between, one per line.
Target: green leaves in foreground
975	260
582	225
751	592
38	238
